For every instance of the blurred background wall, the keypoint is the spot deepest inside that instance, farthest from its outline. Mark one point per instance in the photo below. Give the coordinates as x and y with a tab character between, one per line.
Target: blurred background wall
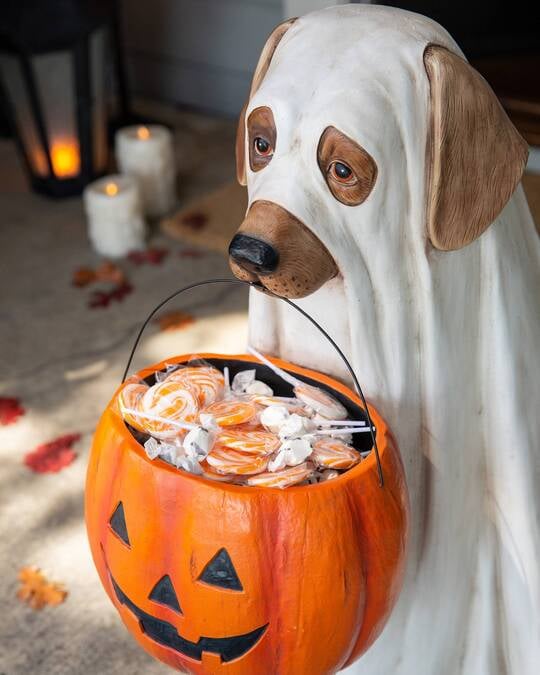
201	53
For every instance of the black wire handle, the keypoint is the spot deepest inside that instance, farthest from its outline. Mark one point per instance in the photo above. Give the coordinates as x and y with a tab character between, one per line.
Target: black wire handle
291	304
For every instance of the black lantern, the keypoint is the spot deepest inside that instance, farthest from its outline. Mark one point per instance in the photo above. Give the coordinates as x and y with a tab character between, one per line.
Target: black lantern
53	70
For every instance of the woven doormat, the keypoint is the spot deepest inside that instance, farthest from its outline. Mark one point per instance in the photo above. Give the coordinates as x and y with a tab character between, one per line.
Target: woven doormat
210	221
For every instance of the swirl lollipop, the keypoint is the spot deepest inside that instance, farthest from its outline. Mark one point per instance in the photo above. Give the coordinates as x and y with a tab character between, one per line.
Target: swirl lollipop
226	460
207	381
334	454
170	408
251	442
230	412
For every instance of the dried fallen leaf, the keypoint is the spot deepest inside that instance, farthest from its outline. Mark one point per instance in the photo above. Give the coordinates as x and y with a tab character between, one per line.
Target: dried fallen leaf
154	256
191	253
196	220
174	321
104	298
108	271
53	456
37	591
10	410
83	276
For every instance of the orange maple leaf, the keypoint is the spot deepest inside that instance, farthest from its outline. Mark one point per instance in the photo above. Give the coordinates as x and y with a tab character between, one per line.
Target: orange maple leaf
175	320
83	276
108	271
37	591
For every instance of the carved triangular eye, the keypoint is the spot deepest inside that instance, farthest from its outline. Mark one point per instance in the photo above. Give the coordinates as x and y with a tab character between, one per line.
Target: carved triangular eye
118	524
220	572
164	593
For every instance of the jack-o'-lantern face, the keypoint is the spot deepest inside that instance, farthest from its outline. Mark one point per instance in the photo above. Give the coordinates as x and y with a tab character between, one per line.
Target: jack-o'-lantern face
218	572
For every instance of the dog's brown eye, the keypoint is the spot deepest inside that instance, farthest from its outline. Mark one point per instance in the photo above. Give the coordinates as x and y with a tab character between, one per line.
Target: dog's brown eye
342	173
262	147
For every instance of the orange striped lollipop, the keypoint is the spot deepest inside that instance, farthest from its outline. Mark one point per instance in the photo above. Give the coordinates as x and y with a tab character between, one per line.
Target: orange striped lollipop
226	460
334	454
167	405
282	479
129	400
252	442
207	381
230	412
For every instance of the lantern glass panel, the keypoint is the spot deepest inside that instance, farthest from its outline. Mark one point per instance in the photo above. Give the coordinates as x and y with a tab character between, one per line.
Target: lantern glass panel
55	82
17	92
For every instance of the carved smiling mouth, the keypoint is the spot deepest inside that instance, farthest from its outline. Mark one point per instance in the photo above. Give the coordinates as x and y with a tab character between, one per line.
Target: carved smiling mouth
165	634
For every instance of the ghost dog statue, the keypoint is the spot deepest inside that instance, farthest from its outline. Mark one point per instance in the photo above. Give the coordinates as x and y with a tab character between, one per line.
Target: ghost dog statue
383	191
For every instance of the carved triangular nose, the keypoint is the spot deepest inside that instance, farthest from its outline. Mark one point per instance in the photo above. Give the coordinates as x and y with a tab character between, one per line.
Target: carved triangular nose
164	593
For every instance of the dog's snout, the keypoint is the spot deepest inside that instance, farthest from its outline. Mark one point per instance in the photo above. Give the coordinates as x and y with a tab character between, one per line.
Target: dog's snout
254	255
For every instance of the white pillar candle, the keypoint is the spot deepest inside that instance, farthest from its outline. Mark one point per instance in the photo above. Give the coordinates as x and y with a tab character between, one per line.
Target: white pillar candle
147	153
113	209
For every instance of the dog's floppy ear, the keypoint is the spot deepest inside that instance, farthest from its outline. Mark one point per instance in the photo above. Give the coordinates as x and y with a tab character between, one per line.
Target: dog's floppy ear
475	155
258	76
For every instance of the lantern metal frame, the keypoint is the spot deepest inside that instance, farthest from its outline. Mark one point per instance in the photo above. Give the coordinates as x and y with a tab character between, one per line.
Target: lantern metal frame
75	44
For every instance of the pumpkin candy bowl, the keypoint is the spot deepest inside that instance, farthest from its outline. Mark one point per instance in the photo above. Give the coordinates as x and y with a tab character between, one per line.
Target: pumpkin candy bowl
212	577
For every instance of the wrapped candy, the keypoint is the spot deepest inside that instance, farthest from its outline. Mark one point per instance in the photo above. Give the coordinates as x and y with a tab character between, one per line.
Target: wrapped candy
274	417
241	433
320	401
296	426
291	453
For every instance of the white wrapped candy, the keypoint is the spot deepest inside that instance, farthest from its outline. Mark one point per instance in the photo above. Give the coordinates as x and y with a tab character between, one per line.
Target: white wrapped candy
244	382
259	388
189	464
296	426
291	453
273	417
152	448
198	443
242	379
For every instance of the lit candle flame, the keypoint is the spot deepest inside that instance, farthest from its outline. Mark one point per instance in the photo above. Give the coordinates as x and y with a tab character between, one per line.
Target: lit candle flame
111	189
65	158
143	133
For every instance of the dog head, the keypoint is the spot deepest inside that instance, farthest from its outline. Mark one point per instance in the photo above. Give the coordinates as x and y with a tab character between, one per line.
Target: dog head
359	136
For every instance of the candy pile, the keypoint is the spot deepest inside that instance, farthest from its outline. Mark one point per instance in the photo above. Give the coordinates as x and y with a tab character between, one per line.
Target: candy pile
240	432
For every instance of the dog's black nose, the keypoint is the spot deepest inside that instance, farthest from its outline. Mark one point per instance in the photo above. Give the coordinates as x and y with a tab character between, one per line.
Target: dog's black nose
253	254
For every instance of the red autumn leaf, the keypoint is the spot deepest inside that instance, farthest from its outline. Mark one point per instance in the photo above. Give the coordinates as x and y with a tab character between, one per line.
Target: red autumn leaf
174	321
99	299
104	298
53	456
10	410
191	253
83	276
120	292
154	256
196	220
37	591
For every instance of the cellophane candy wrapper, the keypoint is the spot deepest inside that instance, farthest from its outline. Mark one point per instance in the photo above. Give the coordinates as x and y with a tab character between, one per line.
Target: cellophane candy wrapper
197	419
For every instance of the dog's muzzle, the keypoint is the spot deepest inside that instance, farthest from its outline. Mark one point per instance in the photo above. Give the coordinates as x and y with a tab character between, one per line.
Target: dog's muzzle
274	248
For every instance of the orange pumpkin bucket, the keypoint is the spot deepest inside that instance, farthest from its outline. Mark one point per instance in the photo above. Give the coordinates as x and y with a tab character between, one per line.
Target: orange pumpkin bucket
211	577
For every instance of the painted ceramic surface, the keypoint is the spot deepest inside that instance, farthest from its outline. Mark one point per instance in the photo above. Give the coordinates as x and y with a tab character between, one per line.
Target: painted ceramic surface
445	343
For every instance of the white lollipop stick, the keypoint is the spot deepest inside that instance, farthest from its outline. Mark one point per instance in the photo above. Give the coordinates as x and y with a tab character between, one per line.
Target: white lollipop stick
227	379
345	430
157	418
284	376
341	423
